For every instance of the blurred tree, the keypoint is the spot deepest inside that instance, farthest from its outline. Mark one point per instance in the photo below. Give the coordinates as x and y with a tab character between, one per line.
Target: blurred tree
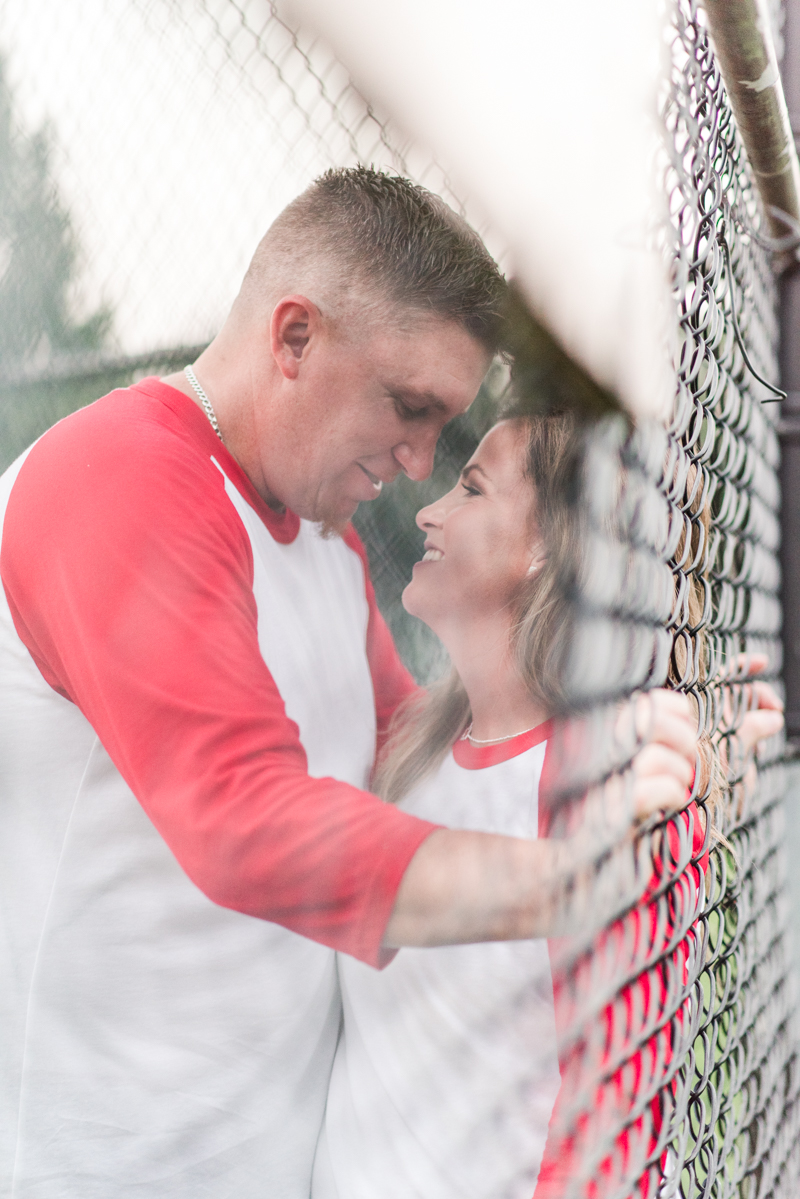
38	252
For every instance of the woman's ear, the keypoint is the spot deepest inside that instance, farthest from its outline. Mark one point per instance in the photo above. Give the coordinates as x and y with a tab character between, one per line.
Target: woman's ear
538	559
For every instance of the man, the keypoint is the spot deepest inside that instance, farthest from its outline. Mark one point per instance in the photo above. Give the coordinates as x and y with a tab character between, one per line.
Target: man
194	676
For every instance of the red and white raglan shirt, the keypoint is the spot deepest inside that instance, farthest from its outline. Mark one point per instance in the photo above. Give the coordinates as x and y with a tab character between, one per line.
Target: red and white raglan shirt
190	691
447	1068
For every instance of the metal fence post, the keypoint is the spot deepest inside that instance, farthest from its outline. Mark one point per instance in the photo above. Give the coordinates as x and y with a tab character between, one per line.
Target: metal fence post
790	424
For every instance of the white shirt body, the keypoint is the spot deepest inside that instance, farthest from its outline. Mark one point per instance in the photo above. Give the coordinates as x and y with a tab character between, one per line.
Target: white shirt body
446	1070
152	1043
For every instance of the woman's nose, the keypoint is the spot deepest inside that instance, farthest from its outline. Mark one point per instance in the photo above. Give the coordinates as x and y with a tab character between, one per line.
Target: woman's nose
430	517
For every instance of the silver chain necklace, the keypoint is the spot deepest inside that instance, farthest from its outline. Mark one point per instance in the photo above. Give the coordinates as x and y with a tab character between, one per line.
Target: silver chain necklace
205	401
467	736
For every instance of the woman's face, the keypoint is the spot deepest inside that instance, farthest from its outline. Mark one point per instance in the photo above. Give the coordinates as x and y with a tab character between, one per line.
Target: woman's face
480	541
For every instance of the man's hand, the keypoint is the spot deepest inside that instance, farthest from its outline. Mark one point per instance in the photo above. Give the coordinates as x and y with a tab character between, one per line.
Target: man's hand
468	886
664	767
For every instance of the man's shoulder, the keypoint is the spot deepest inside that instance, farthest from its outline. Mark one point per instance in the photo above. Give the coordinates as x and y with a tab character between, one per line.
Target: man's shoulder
134	434
146	415
118	491
131	465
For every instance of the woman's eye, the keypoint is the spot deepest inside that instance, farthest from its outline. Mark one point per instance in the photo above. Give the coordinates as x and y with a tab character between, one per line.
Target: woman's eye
470	490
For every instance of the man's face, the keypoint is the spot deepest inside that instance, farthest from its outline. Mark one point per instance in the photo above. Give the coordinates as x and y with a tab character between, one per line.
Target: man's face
361	411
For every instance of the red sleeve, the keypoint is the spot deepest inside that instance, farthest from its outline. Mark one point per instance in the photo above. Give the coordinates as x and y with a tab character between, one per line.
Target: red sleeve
129	577
390	679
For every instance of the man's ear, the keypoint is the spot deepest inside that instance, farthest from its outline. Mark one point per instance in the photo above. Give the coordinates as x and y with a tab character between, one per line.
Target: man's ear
294	322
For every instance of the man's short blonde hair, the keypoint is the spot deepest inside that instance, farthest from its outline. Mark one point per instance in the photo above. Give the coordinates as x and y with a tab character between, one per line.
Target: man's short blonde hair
381	245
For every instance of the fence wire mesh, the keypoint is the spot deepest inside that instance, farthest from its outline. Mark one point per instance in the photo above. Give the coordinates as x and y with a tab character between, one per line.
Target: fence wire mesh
679	1050
680	1038
702	1014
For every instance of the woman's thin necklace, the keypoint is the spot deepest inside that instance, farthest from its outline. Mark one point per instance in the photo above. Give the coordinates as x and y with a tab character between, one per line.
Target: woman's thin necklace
467	736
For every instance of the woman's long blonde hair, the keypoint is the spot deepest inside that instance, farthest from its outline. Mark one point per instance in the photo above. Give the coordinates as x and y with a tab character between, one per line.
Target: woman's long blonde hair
424	729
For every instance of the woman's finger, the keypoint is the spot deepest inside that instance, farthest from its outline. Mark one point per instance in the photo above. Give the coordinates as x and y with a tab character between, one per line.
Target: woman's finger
747	664
661	793
675	703
656	759
674	724
766	695
756	726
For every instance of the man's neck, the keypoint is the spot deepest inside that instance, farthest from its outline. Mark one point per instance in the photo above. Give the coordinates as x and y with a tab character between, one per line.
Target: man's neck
179	381
499	699
238	440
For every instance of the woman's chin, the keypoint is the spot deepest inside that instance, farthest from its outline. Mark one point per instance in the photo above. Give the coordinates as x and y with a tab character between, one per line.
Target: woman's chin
414	602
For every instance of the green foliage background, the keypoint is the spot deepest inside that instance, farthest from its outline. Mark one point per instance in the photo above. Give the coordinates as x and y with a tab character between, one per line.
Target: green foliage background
39	253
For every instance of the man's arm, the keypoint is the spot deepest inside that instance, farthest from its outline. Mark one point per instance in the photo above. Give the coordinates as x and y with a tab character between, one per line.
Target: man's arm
391	681
129	577
467	886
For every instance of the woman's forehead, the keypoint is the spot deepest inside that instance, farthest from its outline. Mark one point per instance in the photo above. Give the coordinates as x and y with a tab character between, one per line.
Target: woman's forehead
501	452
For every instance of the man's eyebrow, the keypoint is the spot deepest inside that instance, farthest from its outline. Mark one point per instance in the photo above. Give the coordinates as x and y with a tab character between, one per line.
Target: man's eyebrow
423	399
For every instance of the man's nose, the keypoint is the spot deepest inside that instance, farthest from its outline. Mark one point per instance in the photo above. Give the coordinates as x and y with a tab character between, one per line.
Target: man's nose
416	457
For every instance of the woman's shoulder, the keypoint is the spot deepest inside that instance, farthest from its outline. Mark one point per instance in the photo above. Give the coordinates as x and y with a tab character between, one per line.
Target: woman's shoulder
498	797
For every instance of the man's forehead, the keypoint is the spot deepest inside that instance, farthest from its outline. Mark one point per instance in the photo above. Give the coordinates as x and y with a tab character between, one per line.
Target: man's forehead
431	335
443	377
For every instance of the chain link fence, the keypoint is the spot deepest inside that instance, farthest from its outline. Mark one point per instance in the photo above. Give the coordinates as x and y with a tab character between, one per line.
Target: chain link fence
701	1013
739	1130
679	1043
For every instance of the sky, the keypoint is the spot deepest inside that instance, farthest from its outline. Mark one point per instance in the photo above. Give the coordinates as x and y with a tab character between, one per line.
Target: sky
176	145
182	127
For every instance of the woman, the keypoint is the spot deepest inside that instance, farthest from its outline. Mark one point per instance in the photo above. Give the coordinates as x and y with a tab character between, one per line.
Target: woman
447	1068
